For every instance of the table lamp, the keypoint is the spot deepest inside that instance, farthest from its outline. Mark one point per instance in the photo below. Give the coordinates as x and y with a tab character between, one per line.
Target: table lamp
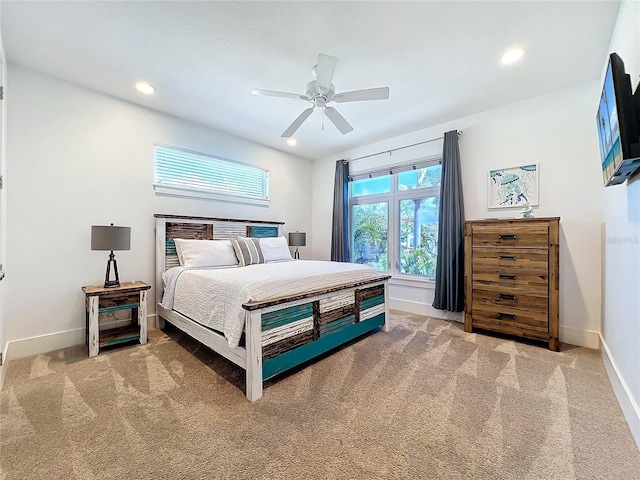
110	238
297	239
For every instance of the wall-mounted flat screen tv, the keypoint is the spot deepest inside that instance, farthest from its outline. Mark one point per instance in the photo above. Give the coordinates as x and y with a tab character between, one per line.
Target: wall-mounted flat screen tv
617	122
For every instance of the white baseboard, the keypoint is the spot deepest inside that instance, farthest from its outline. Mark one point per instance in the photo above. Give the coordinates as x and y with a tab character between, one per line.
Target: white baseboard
628	404
573	336
3	367
581	338
424	309
25	347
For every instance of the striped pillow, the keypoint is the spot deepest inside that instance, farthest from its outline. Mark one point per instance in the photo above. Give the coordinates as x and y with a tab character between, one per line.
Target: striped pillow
247	250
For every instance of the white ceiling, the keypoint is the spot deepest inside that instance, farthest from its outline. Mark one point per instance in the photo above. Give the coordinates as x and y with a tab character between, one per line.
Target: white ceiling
440	59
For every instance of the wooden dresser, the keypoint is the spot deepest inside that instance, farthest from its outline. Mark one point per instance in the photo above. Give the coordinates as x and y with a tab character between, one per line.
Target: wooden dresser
512	277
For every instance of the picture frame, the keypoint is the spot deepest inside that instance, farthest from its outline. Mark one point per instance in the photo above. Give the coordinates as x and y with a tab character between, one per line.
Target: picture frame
513	187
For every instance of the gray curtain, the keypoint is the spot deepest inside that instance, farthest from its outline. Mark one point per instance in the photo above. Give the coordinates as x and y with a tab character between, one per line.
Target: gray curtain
449	294
340	251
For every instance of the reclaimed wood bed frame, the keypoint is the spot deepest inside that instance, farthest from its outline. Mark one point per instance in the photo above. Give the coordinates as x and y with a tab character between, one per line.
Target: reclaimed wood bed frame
273	341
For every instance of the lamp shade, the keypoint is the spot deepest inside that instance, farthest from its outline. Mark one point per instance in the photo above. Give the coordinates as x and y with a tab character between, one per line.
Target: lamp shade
110	237
297	239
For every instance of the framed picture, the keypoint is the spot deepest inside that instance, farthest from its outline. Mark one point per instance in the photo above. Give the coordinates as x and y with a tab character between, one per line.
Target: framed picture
513	187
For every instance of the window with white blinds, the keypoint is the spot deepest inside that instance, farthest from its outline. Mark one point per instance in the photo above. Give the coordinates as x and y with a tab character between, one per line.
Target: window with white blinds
190	174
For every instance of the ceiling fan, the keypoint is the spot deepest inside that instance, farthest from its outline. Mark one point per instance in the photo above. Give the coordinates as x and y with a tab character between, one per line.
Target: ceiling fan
321	91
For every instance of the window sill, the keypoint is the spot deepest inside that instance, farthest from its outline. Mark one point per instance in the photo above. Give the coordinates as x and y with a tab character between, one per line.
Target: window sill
185	193
404	281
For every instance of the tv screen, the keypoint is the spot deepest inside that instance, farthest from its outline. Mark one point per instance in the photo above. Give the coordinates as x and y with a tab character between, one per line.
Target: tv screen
609	127
617	125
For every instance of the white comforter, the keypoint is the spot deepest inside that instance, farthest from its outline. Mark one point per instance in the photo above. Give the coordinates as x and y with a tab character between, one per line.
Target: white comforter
214	297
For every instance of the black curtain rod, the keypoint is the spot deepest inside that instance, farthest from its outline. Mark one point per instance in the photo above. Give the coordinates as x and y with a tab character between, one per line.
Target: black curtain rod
395	149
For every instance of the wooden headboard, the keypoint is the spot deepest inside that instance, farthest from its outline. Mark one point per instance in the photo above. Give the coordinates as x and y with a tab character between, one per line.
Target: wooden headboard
169	227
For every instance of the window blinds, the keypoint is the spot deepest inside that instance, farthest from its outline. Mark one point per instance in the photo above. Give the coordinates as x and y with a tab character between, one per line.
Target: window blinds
198	172
393	170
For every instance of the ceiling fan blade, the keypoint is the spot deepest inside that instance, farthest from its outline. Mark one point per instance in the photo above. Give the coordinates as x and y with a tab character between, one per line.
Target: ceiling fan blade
381	93
297	122
324	72
338	120
273	93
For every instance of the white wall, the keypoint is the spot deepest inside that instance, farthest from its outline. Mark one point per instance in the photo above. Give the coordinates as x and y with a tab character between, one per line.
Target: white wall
78	158
555	130
621	255
3	202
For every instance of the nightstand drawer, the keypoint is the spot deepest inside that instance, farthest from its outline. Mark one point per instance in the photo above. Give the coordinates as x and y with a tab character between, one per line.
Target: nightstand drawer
118	302
510	236
114	303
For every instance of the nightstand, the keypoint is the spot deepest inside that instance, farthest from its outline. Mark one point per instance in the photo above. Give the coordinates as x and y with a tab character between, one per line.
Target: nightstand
128	296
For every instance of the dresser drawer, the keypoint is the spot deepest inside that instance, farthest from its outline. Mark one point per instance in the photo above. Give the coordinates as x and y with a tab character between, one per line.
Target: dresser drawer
530	279
499	296
525	258
510	236
497	318
511	330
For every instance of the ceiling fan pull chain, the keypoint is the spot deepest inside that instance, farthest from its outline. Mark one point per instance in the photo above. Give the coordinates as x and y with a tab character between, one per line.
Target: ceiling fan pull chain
322	118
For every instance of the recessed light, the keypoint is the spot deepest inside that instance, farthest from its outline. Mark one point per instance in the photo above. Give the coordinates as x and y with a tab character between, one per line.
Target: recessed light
145	88
513	55
291	141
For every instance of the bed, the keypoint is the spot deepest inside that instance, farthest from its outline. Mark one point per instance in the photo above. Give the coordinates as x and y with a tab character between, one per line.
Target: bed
283	322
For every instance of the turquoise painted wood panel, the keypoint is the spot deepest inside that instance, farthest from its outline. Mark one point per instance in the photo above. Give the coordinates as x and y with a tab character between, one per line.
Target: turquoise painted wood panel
118	307
286	315
170	248
295	357
371	302
262	232
116	341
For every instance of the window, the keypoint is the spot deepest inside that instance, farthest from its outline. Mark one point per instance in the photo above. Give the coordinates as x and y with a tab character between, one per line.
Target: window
394	219
184	173
369	242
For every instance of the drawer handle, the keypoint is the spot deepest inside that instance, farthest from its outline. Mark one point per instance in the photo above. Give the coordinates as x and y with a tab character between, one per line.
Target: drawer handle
505	296
507	257
507	277
506	316
507	237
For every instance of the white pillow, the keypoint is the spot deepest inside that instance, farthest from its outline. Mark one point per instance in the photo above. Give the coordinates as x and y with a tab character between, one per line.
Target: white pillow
205	253
275	248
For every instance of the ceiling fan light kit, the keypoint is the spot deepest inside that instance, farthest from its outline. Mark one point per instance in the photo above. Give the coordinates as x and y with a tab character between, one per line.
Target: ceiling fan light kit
321	91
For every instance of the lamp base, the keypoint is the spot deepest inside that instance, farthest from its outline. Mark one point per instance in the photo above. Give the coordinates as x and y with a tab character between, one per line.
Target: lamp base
296	254
107	282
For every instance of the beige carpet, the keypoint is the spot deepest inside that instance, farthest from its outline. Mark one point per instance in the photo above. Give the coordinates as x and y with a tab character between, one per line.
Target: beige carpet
425	400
